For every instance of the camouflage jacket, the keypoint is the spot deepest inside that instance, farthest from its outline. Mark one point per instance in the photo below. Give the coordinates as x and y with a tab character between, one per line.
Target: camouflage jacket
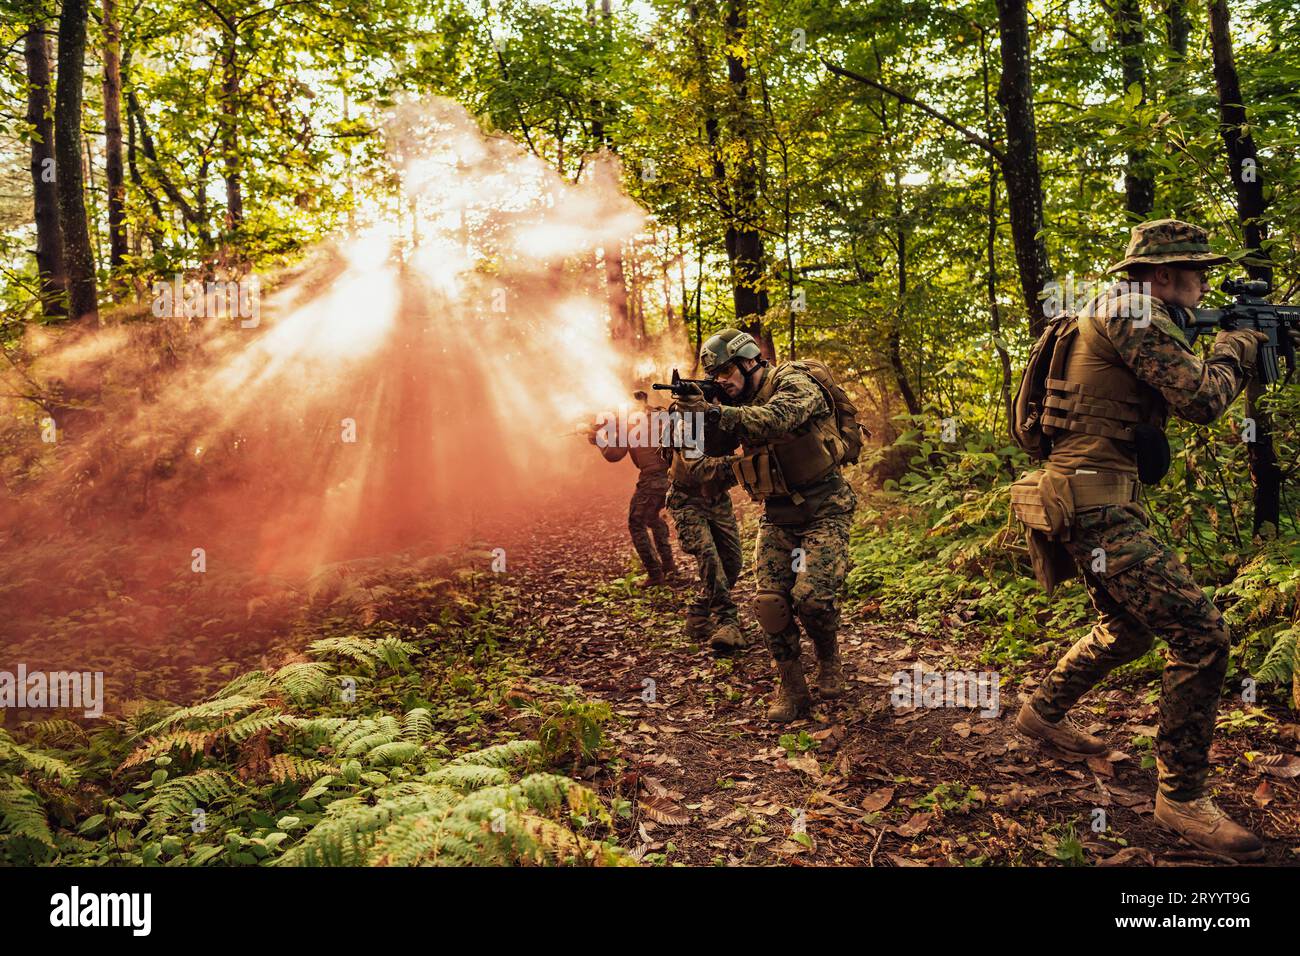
797	400
1142	349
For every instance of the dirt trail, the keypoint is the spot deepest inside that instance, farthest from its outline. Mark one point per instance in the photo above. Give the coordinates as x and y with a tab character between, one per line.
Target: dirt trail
865	782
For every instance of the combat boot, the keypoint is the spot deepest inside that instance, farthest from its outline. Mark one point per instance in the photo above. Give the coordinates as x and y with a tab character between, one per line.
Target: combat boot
1202	824
1063	734
793	700
727	637
697	626
653	578
830	671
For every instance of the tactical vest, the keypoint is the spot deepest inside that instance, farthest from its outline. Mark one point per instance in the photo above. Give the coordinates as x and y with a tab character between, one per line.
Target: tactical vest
786	465
1092	395
648	461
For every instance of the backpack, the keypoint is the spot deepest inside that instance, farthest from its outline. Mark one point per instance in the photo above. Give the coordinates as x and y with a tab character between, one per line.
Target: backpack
852	432
1046	360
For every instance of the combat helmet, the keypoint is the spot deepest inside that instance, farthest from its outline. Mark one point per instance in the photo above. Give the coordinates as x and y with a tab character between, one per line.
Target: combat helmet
727	346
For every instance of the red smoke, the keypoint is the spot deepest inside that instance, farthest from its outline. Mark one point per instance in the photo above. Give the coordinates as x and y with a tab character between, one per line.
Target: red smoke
411	381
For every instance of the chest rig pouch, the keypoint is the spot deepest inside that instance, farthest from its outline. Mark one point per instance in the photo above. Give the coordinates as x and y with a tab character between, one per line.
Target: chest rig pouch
794	462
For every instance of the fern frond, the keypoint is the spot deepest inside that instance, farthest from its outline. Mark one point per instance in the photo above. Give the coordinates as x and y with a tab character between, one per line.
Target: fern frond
286	767
514	753
349	829
417	725
175	798
304	681
393	754
21	813
1279	663
192	740
251	684
207	711
50	767
465	777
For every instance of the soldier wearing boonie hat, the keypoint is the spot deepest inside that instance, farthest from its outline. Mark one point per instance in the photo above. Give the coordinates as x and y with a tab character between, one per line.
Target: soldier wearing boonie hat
1104	412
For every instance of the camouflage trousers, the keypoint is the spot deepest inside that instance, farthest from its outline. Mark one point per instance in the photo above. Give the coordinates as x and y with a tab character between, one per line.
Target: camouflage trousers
803	553
644	519
707	530
1140	589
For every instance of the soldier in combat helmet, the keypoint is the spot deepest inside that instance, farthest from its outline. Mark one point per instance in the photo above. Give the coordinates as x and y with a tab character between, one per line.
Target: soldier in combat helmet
785	419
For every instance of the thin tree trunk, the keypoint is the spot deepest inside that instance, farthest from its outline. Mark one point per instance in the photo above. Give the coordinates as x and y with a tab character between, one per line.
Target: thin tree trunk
1243	167
991	276
78	258
1177	27
896	332
45	199
1139	186
1020	166
113	136
749	289
232	165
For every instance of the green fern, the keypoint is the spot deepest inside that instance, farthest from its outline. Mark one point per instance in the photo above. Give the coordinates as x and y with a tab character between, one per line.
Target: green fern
179	797
306	681
1279	663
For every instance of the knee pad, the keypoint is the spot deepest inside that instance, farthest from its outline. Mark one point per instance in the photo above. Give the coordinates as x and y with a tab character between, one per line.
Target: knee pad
772	610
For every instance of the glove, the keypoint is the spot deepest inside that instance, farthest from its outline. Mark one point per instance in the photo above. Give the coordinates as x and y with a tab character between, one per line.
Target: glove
718	441
691	400
1241	344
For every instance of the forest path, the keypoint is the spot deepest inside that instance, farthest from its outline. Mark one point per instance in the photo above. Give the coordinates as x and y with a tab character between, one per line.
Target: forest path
865	782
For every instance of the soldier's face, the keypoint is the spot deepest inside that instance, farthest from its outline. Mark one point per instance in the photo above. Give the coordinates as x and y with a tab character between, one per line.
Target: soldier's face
731	378
1186	287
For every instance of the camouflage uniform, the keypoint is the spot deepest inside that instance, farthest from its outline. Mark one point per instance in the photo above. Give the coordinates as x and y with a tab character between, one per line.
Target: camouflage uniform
818	523
700	504
1138	585
644	516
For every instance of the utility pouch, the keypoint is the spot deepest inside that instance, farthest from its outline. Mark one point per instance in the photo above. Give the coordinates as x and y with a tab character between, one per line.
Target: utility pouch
759	474
1152	447
1043	501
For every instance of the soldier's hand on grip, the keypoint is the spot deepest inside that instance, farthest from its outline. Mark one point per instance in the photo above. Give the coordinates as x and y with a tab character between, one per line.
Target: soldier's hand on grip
690	398
1241	344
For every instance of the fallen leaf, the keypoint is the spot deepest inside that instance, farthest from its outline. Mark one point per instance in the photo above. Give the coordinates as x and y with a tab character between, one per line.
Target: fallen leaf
916	823
1263	793
877	799
664	811
1286	766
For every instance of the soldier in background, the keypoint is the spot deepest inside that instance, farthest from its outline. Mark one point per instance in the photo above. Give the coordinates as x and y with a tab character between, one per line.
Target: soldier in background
786	421
699	499
645	521
1129	366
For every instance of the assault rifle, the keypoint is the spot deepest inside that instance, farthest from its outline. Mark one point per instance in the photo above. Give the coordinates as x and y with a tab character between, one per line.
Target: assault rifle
1252	311
679	386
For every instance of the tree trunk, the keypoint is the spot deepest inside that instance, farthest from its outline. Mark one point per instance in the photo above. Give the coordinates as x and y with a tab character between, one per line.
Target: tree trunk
1020	163
113	136
1139	186
80	262
896	331
49	236
991	272
1243	167
744	241
615	281
1177	27
231	164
